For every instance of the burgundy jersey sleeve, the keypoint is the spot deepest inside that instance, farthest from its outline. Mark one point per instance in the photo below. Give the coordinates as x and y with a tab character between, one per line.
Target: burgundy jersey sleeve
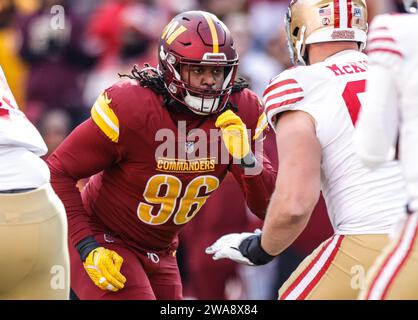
258	183
91	148
85	152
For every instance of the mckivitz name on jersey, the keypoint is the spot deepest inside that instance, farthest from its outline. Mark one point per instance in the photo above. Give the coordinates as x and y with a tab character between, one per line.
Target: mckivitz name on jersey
352	67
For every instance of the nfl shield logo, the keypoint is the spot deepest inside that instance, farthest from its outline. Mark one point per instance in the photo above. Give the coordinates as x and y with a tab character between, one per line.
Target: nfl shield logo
357	12
189	147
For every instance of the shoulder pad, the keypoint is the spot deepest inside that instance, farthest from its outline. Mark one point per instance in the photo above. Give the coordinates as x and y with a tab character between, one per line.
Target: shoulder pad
105	118
281	94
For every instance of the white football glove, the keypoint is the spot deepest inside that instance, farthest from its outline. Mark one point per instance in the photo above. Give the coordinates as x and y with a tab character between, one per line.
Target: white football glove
226	247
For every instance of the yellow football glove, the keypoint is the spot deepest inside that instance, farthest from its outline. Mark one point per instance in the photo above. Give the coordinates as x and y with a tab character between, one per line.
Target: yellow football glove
103	267
234	134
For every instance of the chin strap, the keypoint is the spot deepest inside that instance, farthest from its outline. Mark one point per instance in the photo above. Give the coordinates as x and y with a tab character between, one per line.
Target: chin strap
197	105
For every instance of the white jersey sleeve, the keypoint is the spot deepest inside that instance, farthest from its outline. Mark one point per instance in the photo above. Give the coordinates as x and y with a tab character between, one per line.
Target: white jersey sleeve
382	45
377	127
20	146
391	104
282	93
291	91
15	128
358	200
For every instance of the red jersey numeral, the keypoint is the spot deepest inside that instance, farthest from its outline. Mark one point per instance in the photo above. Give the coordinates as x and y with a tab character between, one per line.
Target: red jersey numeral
350	96
4	112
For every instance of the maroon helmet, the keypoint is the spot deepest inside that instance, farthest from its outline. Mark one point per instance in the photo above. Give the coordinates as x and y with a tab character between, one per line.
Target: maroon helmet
197	38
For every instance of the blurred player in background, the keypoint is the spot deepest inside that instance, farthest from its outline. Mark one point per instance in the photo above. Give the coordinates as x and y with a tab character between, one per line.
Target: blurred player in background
146	147
391	110
314	109
33	227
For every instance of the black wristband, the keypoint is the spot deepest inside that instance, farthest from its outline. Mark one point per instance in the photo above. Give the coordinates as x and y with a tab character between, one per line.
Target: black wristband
249	161
251	249
85	246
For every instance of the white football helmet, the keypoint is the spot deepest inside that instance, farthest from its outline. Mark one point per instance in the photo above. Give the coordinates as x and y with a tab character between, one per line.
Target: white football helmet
314	21
411	5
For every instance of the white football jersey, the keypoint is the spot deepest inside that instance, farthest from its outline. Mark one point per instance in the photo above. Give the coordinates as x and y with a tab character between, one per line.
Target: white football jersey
20	146
391	100
359	201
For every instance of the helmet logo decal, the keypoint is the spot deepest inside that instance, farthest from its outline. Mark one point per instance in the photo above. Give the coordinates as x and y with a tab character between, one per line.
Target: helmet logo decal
175	34
171	33
324	11
212	29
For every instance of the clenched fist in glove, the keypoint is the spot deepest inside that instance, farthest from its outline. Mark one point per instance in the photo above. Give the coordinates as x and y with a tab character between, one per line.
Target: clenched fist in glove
103	267
235	136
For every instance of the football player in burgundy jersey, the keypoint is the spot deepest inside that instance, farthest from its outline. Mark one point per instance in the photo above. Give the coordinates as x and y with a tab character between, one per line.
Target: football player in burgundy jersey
155	149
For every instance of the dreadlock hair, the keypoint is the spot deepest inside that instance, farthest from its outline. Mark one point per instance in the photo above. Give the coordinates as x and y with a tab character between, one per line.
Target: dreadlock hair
147	77
150	77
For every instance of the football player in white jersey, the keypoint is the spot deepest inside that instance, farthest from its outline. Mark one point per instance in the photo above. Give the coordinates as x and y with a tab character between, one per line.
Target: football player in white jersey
313	108
391	108
33	228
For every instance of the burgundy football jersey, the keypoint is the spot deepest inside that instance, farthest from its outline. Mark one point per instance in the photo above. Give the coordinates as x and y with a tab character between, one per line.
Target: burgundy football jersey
151	170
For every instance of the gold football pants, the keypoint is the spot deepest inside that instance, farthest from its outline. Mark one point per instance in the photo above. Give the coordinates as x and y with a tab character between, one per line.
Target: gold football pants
337	269
394	275
34	260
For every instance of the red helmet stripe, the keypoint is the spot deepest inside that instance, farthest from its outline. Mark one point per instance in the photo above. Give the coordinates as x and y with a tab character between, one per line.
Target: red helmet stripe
336	13
350	13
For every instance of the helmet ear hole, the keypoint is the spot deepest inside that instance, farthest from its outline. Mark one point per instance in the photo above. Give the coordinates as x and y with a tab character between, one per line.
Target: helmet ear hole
295	32
411	6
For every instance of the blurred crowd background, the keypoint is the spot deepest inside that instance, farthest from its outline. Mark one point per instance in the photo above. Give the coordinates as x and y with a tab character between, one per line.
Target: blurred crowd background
57	73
